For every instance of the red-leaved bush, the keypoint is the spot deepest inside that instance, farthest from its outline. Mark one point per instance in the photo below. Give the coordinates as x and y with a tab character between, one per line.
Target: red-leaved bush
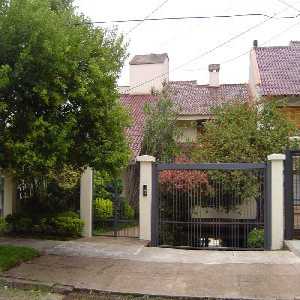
182	180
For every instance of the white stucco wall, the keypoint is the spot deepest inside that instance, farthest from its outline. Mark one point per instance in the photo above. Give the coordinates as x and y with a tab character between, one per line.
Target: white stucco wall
254	77
277	200
10	189
145	201
246	210
189	134
145	74
86	201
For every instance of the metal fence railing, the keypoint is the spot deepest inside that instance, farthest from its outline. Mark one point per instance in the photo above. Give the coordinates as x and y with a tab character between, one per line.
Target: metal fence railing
210	206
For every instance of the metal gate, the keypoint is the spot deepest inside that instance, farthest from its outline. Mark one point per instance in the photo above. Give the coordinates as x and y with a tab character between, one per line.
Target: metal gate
211	206
118	215
292	195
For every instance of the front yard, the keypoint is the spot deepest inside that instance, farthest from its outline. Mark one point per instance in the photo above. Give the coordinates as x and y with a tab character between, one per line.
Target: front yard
11	256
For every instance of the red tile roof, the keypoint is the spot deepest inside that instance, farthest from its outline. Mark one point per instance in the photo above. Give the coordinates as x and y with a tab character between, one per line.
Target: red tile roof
192	99
279	69
135	105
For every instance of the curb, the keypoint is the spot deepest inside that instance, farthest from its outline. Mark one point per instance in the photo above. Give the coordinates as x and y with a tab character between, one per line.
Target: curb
292	248
34	285
24	284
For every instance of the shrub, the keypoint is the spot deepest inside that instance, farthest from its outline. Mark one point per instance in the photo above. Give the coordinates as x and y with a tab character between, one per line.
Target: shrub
68	226
256	238
103	209
3	226
71	214
128	211
19	223
62	224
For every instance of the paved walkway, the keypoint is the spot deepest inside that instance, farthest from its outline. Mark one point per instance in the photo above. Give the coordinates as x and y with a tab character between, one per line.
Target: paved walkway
122	265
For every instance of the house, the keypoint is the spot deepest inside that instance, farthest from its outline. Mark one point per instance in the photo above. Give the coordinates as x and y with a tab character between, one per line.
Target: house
275	73
195	102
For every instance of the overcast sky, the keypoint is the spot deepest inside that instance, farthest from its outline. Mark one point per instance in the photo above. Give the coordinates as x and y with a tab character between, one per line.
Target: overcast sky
188	39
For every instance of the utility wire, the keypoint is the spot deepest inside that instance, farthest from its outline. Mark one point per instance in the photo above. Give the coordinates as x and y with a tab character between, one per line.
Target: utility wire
146	18
190	18
289	5
267	41
205	52
247	52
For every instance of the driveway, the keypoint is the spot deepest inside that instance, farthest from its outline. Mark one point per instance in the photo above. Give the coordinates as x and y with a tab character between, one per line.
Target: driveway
123	265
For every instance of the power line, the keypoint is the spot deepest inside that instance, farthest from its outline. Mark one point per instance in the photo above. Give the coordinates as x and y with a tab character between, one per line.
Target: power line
205	52
289	5
247	52
146	18
190	18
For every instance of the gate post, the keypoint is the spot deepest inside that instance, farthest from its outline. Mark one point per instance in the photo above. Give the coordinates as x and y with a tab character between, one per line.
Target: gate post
86	201
145	195
9	193
276	200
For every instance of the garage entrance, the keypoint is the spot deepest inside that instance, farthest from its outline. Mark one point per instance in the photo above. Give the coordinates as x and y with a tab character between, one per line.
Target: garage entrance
209	206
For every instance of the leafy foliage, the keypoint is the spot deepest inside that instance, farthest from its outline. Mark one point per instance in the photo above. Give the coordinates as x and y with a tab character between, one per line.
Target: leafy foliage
103	209
182	180
3	226
67	224
244	133
161	132
58	97
256	238
128	211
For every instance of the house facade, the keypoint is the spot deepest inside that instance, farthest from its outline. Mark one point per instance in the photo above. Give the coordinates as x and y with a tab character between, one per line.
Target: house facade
195	102
275	74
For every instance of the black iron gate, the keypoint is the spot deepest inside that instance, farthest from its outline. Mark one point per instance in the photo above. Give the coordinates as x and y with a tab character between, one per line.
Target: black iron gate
216	206
292	194
117	215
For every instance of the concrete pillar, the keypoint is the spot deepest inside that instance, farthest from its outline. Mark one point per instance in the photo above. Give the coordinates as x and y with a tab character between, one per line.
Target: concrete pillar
145	196
86	201
10	190
276	194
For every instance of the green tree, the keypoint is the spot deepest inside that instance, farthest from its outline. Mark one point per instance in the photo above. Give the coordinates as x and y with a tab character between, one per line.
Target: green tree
161	132
244	133
58	90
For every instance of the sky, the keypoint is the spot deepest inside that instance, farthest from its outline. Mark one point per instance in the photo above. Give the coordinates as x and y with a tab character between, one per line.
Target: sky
190	43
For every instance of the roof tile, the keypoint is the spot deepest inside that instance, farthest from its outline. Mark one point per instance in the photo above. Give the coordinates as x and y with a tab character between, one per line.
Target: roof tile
191	99
279	69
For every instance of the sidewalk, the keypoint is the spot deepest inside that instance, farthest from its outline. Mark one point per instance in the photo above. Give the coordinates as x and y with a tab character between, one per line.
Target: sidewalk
155	271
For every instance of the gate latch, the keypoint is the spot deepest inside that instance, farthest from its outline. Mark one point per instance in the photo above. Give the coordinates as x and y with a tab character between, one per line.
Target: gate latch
144	190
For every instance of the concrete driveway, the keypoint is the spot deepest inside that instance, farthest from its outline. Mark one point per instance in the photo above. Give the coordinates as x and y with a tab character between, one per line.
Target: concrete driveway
123	265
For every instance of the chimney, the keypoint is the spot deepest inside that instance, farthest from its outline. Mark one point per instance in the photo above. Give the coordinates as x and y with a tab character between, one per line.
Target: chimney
214	70
255	43
148	72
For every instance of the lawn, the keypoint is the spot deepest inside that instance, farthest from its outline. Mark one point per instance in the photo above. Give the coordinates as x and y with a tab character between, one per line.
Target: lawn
11	256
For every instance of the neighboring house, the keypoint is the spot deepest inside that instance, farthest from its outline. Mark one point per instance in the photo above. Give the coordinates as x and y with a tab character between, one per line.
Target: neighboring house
195	102
275	73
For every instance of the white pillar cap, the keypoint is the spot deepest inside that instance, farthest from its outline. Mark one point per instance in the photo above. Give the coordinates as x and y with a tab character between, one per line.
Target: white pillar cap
276	157
145	158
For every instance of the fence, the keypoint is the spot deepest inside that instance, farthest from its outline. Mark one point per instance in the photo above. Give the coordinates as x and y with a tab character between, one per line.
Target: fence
212	205
209	205
292	195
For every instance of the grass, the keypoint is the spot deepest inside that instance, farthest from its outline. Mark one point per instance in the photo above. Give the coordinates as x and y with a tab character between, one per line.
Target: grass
19	294
11	256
